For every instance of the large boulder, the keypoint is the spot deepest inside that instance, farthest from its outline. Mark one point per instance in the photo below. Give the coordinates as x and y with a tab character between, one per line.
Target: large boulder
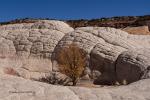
84	40
103	46
32	39
133	65
33	42
103	58
45	39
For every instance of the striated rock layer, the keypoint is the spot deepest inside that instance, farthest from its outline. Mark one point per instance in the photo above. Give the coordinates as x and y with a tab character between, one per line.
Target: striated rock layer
32	42
104	45
141	30
111	52
33	39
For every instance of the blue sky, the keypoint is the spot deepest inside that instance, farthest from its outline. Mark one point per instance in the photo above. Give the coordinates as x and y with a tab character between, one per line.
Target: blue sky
71	9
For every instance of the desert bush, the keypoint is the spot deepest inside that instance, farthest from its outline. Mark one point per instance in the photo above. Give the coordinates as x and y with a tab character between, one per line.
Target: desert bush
56	78
72	61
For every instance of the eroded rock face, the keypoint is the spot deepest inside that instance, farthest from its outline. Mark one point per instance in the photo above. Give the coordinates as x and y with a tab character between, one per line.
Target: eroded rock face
103	59
103	45
33	39
33	42
133	65
141	30
84	40
41	24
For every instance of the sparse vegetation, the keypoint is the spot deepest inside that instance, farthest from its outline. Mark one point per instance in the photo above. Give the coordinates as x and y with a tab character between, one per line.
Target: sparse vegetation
72	62
11	71
116	22
56	78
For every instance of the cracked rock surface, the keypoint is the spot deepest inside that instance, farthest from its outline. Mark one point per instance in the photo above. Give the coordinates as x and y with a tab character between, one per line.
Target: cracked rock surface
113	54
109	50
32	42
32	39
104	45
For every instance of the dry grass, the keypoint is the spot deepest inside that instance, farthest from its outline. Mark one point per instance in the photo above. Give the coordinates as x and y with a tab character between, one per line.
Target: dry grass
37	65
14	65
11	71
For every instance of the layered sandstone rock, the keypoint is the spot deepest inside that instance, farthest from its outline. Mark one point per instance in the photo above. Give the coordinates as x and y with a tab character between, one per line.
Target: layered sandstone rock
140	30
14	88
133	65
103	45
45	39
32	42
33	39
